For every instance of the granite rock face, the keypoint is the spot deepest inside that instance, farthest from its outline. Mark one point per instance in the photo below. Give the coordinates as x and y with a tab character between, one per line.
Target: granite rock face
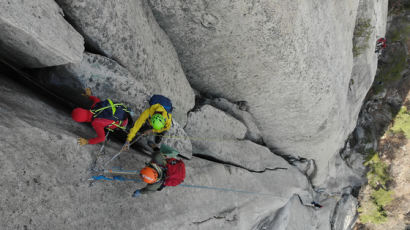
290	216
291	61
370	25
34	34
217	135
127	32
46	173
346	169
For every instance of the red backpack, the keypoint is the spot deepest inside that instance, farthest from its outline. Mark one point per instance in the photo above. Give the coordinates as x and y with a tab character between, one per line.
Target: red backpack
175	172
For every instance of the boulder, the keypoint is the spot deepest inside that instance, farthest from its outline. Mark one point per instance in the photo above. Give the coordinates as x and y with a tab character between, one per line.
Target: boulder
290	61
216	135
34	34
242	115
127	32
45	184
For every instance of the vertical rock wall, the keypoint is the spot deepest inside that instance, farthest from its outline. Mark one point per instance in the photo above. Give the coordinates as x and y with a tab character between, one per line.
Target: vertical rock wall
291	61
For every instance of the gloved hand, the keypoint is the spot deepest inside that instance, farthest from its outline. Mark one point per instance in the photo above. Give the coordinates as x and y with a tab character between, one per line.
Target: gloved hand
82	141
149	131
87	92
137	193
126	146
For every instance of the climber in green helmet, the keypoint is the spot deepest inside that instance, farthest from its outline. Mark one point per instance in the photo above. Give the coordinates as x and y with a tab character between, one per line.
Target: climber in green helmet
156	119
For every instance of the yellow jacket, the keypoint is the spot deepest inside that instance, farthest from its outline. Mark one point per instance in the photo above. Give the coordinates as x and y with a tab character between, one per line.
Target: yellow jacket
146	115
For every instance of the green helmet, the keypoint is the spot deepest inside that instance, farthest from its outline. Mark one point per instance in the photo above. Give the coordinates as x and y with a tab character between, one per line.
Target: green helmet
157	121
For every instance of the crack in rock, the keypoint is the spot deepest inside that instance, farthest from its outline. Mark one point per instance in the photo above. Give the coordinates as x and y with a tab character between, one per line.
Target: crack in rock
213	159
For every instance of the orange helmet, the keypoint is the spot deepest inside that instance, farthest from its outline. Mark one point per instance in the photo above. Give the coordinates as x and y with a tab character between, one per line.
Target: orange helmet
149	175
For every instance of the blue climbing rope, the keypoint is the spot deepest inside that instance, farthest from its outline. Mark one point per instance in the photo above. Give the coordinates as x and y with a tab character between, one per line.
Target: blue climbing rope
133	172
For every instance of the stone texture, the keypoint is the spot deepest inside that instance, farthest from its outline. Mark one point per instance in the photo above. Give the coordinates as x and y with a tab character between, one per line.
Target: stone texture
34	34
217	135
345	213
214	124
244	116
291	61
44	180
294	215
127	32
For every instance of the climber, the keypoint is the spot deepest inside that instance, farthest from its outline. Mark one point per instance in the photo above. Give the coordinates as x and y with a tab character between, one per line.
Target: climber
380	45
103	114
156	119
316	205
163	170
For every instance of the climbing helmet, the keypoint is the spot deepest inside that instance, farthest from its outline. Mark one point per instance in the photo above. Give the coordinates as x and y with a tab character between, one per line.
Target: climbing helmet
149	175
157	121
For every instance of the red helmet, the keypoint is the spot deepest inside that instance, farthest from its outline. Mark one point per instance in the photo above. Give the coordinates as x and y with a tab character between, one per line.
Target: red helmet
81	115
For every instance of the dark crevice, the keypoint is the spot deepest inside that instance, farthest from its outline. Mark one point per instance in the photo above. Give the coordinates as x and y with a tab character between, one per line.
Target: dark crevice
202	221
214	217
22	77
213	159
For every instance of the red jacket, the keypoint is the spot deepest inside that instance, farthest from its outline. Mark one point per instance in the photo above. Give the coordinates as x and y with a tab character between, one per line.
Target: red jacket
382	42
100	123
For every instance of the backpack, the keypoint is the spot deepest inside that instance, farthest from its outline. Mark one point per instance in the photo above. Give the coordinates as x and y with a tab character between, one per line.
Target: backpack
162	100
108	110
175	172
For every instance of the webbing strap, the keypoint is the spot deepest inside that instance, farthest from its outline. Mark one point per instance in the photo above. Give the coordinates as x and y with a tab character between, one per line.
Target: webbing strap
119	125
113	108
